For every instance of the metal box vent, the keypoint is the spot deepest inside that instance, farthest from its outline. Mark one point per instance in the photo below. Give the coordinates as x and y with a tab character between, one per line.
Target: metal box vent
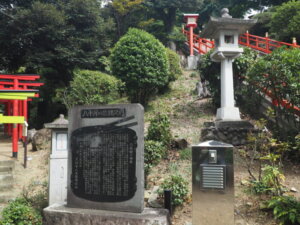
213	176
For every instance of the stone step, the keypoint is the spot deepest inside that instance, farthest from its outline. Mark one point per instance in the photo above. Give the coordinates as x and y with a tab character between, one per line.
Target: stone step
4	178
7	163
6	197
6	186
5	170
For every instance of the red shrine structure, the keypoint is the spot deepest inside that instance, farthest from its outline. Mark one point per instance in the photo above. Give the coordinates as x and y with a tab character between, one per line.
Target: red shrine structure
16	90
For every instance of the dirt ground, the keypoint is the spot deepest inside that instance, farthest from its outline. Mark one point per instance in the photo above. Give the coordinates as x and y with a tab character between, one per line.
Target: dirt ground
36	171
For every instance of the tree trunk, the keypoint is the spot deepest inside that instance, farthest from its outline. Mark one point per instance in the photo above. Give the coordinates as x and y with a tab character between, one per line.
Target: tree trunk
169	20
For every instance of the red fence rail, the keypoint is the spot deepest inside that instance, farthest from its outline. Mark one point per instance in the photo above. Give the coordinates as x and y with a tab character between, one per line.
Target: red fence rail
262	44
202	45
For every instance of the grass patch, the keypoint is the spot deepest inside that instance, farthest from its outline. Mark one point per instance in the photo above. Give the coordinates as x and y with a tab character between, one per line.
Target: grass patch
185	154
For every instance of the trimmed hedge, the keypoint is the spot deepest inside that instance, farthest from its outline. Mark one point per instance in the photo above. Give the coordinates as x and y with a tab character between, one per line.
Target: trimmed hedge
92	87
141	62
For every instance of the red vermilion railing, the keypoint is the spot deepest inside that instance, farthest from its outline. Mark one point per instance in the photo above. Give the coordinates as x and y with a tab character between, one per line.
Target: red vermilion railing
202	45
263	44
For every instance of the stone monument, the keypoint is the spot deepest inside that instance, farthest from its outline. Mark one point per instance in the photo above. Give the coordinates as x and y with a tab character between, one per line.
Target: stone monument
225	31
58	160
106	169
106	164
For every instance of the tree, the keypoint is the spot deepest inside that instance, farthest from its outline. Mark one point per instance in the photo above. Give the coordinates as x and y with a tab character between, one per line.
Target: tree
122	10
140	61
52	39
285	21
166	10
237	8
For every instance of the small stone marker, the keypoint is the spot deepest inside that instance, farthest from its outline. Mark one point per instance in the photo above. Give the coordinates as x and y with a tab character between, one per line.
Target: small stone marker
58	160
106	165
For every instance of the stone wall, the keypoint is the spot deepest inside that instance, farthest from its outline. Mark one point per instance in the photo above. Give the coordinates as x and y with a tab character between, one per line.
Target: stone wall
234	132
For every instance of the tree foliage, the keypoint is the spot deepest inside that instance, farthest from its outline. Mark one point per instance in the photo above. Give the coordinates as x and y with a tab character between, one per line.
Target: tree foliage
168	11
52	38
140	61
279	73
126	14
285	21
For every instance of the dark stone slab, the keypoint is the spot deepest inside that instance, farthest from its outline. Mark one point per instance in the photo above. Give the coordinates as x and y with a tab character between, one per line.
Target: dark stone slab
106	157
61	215
242	124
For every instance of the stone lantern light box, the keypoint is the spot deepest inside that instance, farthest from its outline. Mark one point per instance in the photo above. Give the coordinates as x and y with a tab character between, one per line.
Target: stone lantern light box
191	20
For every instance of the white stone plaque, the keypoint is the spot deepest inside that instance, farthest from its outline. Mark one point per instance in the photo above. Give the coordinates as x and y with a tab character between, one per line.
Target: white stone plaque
61	141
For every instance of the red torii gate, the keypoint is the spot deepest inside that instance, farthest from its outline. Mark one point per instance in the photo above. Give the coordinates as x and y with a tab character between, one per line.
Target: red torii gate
13	107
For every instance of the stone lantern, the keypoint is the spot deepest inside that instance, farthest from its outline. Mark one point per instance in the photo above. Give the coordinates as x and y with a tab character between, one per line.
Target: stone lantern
225	31
58	160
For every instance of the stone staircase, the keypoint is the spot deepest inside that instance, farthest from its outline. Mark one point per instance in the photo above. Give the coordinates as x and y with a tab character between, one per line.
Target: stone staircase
6	180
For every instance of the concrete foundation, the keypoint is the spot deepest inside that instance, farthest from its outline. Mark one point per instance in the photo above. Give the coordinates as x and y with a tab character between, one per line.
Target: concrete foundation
62	215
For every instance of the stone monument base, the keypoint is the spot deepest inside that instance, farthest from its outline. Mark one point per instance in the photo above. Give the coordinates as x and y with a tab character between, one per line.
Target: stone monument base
61	215
192	62
231	132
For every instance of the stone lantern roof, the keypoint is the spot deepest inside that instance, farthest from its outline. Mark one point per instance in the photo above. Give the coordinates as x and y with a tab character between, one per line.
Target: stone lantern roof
226	22
59	123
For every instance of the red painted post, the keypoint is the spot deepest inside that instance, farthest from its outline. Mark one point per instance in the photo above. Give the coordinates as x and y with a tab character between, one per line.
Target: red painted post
294	42
15	127
191	41
247	38
267	43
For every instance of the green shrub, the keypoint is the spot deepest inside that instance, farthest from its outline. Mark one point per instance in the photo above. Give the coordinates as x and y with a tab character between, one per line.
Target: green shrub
91	87
210	71
36	195
18	212
159	129
175	70
141	62
154	152
286	209
279	72
179	188
258	187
